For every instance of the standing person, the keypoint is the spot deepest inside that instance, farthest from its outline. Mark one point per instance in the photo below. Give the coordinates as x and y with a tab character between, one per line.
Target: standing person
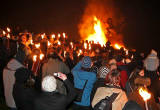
151	64
112	86
83	80
8	75
53	65
50	99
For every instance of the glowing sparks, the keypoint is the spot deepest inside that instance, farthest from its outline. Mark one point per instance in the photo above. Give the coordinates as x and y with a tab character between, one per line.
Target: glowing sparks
99	35
35	58
145	95
37	45
41	56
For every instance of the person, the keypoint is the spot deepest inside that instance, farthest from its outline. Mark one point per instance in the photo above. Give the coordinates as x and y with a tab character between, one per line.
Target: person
83	76
100	82
22	94
50	99
112	86
54	64
8	75
123	70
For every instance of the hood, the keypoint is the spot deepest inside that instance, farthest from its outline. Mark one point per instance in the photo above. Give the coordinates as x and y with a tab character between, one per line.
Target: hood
14	64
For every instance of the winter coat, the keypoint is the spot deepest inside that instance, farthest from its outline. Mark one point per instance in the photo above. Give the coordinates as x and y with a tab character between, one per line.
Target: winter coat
52	66
99	83
80	77
102	92
9	80
151	63
54	100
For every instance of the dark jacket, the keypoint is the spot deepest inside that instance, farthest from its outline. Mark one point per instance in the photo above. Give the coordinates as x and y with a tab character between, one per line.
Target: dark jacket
55	100
22	94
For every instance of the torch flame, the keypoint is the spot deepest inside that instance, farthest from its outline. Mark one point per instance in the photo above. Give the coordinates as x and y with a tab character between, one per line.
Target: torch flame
4	33
8	29
89	46
145	95
49	44
32	42
64	35
53	36
41	56
99	35
117	46
34	58
43	35
37	45
85	45
59	43
59	35
71	44
8	36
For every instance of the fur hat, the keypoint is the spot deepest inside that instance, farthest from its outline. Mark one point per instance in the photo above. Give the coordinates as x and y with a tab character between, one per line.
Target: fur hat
49	84
86	62
103	71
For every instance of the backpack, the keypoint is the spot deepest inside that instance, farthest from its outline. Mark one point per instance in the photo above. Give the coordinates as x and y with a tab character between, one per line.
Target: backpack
106	103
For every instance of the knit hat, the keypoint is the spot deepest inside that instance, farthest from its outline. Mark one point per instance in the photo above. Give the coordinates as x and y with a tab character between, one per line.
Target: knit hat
22	75
86	62
49	84
103	71
132	105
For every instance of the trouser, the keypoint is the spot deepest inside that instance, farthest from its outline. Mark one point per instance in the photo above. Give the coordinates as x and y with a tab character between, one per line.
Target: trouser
79	107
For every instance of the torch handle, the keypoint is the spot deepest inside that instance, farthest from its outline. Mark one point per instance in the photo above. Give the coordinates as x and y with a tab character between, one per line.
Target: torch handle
146	105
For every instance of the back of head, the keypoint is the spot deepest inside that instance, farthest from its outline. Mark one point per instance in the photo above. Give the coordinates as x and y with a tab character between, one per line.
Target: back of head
49	84
132	105
103	71
86	62
114	77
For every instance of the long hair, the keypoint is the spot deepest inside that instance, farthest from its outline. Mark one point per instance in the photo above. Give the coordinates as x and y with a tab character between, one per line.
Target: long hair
113	77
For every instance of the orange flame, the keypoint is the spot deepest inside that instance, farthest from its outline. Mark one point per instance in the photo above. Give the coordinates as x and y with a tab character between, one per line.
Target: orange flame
4	33
34	58
89	46
37	45
64	35
49	44
98	36
145	95
85	45
59	35
43	35
32	42
59	43
41	56
8	36
71	44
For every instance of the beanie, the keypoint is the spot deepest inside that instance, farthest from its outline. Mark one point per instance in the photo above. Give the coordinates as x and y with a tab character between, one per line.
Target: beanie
49	84
86	62
103	71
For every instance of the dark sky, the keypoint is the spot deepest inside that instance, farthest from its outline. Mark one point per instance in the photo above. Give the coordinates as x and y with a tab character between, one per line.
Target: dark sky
142	18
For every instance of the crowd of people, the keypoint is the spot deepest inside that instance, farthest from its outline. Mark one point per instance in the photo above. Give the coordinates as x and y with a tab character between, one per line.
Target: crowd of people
43	72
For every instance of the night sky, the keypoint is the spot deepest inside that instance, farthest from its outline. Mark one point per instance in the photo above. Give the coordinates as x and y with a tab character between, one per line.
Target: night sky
142	18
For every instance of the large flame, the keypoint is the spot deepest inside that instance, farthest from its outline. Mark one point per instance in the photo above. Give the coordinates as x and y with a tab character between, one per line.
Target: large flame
98	36
146	96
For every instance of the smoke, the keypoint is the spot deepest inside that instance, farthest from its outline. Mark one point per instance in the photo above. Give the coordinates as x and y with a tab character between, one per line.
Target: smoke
110	16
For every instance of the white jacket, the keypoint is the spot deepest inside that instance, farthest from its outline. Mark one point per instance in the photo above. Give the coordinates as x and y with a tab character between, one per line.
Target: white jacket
9	80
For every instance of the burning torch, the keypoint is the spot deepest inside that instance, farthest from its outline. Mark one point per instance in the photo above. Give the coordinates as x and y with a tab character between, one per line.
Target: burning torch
145	95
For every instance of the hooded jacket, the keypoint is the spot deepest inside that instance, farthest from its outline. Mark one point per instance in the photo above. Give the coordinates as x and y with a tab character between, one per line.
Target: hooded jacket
151	63
9	80
80	77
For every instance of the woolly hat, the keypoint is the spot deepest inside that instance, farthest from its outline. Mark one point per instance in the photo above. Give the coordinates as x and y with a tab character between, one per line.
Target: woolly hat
103	71
22	75
49	84
132	105
86	62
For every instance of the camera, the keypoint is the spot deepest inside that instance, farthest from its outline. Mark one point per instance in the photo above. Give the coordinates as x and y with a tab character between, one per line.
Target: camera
56	74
